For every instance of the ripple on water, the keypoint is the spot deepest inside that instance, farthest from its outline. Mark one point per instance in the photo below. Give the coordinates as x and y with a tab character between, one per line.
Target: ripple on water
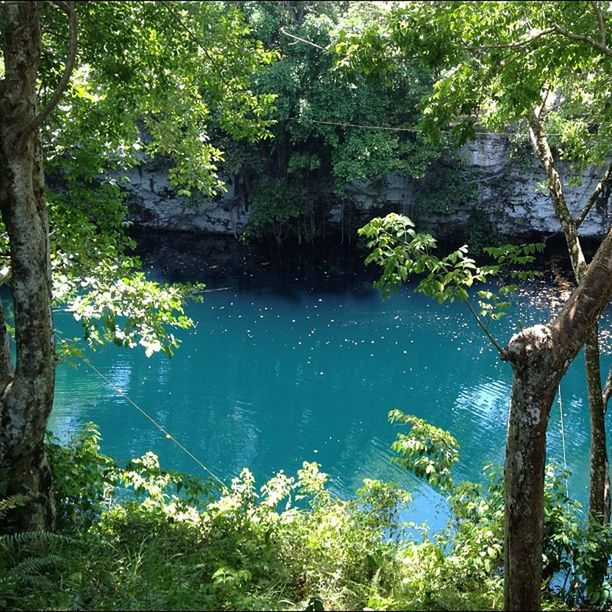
306	383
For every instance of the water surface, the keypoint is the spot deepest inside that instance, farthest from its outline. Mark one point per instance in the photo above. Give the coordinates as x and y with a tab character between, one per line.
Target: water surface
275	376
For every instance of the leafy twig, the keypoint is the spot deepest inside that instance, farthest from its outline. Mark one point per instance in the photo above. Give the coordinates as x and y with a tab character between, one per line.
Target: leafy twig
67	8
485	329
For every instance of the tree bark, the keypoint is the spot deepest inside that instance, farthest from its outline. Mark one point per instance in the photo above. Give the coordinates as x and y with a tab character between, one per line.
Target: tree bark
27	397
542	149
540	356
599	476
535	381
599	480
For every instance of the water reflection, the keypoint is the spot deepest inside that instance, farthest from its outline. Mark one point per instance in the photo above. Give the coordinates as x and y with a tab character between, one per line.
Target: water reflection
268	380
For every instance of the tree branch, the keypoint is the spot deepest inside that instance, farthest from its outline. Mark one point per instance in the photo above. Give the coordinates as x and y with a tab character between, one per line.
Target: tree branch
537	111
583	38
500	349
586	303
556	29
605	181
555	185
303	40
67	8
517	45
600	21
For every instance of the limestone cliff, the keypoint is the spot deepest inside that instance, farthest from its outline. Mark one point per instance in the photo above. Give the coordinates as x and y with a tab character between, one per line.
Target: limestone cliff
511	196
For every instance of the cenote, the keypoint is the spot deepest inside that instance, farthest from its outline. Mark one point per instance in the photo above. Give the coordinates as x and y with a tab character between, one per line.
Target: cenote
289	372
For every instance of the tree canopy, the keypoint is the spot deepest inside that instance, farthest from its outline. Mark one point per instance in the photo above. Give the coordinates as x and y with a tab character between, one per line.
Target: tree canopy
294	101
149	80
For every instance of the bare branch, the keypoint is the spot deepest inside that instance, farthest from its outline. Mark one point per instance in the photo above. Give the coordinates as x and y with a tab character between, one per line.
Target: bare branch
485	329
605	181
555	29
600	21
517	45
583	38
537	111
67	8
607	390
307	42
542	149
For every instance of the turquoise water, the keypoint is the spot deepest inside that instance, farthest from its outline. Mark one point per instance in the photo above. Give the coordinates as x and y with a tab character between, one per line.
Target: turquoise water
270	378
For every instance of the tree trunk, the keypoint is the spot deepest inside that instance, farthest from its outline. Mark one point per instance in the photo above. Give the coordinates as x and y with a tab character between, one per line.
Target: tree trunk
599	479
536	377
27	393
599	457
540	355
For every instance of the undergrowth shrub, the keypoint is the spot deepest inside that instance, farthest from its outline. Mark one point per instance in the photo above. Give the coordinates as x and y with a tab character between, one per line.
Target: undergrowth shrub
140	537
26	557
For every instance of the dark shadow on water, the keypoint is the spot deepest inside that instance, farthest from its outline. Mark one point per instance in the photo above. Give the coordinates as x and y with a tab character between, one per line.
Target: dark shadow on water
325	266
225	263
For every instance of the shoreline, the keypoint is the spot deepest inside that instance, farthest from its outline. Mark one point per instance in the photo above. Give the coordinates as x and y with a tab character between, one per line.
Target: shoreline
221	261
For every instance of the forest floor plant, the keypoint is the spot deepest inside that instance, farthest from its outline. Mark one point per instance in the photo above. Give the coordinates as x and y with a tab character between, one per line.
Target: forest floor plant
140	537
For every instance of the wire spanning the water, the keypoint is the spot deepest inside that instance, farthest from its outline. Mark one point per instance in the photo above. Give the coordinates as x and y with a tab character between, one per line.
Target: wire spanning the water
415	130
166	433
563	442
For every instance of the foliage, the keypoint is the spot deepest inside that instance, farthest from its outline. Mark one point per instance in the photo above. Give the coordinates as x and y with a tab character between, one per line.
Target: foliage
402	253
83	477
320	145
25	557
246	548
444	188
142	537
151	76
10	503
150	80
428	451
101	285
276	207
116	303
480	232
492	62
87	482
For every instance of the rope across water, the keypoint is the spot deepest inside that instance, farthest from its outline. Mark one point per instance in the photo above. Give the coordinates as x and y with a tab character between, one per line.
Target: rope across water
142	411
166	433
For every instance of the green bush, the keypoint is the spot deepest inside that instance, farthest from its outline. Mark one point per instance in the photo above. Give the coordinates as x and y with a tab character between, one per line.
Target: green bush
139	537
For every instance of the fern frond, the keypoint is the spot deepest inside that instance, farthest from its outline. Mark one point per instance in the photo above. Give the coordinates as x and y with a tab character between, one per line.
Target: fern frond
14	540
12	502
30	567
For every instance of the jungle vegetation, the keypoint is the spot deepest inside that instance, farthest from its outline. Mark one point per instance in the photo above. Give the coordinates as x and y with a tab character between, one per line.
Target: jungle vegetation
88	90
